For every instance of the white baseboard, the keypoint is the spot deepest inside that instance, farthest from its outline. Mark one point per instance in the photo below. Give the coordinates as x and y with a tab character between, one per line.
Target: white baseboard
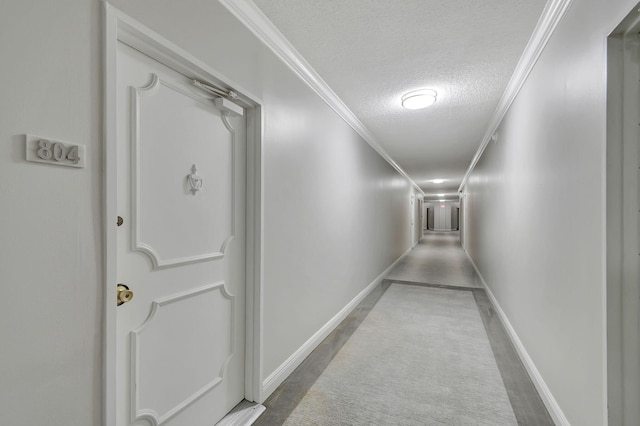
280	374
545	393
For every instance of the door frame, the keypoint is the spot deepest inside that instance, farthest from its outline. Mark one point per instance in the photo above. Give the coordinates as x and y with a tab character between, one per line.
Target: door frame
120	27
621	223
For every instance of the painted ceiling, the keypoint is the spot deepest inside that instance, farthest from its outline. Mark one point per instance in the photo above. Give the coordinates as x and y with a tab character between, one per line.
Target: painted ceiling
371	52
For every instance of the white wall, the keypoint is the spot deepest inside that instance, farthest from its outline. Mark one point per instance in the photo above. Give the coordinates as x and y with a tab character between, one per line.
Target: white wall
50	217
335	214
534	211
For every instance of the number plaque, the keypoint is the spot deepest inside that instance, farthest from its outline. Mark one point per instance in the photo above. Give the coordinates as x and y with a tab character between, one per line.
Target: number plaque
50	151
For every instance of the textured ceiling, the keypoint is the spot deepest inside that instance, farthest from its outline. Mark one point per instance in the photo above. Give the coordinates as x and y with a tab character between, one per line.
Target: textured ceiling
370	52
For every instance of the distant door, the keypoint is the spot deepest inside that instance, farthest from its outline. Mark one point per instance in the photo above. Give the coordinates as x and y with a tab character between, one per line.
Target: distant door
430	218
462	220
181	249
455	218
420	226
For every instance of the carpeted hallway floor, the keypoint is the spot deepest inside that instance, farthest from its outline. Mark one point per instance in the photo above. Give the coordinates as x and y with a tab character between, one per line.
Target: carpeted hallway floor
424	348
438	258
420	357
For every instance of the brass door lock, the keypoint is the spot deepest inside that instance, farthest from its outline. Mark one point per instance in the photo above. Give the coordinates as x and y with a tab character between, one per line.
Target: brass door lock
124	294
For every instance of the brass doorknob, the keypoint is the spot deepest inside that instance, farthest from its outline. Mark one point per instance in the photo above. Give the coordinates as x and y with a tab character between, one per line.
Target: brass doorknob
124	294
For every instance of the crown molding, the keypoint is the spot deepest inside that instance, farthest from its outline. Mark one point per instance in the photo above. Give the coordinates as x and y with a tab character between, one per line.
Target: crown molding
551	16
252	17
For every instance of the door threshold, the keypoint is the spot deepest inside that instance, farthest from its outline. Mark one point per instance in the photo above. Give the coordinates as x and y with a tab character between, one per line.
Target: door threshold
243	414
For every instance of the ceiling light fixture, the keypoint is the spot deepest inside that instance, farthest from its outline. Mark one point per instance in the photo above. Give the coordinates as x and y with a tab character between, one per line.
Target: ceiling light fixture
437	180
419	99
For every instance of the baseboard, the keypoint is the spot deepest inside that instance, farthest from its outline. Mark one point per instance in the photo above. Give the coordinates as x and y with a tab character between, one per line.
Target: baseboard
281	373
545	393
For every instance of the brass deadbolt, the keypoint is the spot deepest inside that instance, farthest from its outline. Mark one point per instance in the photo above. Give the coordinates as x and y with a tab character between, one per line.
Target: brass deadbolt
120	221
124	294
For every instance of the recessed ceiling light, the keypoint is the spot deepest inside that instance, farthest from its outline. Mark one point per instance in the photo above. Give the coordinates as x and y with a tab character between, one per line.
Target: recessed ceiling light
419	99
440	195
437	180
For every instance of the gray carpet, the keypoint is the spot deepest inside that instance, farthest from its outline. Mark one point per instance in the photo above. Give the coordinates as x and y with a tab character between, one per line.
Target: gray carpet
421	357
438	258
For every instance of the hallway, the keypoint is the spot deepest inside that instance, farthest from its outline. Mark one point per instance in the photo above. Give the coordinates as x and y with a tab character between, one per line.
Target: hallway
437	259
540	153
425	347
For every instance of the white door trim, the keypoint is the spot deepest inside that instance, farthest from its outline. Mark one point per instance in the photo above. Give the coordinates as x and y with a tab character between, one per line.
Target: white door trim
620	225
120	27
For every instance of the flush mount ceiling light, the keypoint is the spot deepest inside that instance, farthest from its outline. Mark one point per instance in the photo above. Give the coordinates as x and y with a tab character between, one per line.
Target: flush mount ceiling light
437	180
419	99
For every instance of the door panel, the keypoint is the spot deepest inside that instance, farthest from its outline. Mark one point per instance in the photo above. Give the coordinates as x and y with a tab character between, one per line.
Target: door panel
181	250
210	342
168	152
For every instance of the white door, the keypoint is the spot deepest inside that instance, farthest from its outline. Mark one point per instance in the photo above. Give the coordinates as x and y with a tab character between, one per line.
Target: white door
181	249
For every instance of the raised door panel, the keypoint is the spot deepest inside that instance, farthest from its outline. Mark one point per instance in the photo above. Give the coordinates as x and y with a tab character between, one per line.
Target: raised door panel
183	172
186	341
